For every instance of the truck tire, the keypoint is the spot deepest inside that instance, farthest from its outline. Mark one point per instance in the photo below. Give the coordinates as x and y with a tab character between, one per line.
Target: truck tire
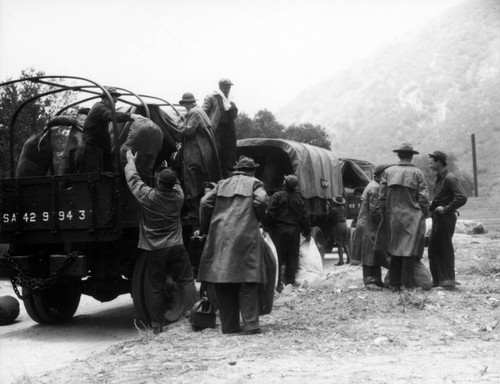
317	235
174	306
55	304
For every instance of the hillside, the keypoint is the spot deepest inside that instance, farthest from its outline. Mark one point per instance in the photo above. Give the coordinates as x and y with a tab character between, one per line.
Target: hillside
433	88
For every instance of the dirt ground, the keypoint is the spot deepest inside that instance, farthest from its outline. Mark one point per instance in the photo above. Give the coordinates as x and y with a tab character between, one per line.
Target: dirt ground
333	332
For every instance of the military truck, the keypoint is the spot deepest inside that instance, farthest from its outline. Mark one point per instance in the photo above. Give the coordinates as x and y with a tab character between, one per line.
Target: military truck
74	234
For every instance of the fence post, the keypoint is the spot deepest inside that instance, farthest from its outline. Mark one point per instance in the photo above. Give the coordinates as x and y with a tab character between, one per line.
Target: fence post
474	164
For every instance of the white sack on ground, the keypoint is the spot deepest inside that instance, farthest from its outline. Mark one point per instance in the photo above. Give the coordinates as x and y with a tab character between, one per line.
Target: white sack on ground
310	264
266	291
273	253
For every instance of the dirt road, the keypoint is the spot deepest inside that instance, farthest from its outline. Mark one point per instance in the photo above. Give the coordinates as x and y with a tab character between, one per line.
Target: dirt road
335	331
27	348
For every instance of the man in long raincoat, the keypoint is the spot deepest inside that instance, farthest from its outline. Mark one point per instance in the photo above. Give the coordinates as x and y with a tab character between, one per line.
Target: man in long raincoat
404	202
200	161
368	221
233	256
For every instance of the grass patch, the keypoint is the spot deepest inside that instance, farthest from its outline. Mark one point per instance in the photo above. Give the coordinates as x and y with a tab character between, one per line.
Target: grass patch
413	299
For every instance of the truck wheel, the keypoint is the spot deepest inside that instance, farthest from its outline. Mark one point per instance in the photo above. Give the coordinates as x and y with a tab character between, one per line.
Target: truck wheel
317	235
55	304
174	306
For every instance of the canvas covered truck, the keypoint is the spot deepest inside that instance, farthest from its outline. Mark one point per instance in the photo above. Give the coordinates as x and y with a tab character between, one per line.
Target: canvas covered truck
356	174
318	170
76	233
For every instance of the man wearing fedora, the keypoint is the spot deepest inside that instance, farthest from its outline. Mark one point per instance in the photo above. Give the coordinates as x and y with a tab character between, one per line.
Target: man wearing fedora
404	203
160	237
94	154
222	111
200	162
449	195
285	219
369	218
233	256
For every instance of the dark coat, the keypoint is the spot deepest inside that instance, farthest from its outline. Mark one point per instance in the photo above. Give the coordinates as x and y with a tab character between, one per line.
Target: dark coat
234	250
200	160
367	224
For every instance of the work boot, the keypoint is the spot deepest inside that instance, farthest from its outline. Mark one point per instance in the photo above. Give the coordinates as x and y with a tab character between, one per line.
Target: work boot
373	287
279	288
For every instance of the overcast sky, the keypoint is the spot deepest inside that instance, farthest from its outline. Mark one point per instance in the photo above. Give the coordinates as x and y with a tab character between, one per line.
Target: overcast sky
271	49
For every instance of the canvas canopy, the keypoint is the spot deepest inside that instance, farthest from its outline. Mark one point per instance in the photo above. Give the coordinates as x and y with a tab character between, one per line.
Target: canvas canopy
319	172
356	173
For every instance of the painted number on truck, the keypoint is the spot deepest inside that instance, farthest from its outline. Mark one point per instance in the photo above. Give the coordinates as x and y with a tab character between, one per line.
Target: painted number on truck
34	217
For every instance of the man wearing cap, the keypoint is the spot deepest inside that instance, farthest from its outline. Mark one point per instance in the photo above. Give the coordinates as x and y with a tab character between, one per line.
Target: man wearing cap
233	256
222	111
95	152
341	232
369	218
200	162
449	195
160	237
404	203
285	219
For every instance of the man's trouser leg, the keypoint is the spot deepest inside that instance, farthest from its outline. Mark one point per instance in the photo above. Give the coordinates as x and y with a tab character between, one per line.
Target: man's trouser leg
182	273
89	158
407	272
440	251
249	305
292	257
229	308
286	239
372	275
157	274
395	266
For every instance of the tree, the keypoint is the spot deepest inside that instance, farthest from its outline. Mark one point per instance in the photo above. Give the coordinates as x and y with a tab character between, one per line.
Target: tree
309	134
266	123
245	127
32	118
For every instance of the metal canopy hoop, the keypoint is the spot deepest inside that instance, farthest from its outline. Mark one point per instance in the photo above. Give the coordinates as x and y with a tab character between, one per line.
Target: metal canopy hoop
88	86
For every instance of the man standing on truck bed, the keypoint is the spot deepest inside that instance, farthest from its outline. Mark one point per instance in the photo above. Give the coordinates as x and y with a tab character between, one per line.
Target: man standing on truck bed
222	112
200	162
95	152
160	236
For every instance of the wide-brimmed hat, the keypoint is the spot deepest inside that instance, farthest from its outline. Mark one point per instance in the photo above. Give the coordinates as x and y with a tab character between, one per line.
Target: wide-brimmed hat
166	175
188	97
245	162
225	81
380	168
441	156
112	91
339	200
406	147
291	181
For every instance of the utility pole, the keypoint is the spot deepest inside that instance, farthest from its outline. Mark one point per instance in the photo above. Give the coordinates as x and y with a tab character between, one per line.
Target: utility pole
474	163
